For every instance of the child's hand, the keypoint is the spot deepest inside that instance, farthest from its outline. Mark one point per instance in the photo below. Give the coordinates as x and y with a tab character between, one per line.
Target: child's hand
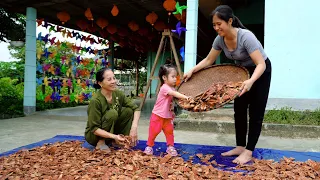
188	98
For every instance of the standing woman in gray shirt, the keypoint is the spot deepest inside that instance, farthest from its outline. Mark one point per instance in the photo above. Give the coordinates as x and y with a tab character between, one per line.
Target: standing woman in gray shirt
242	46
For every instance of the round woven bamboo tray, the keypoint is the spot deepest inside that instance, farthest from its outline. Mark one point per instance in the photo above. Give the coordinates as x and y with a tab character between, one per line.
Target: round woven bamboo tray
203	79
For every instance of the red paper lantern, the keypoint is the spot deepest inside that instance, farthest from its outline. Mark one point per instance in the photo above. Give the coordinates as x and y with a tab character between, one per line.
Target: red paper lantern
169	5
143	31
91	28
82	24
152	18
133	26
123	32
160	26
115	38
102	22
112	28
88	14
103	33
63	16
115	10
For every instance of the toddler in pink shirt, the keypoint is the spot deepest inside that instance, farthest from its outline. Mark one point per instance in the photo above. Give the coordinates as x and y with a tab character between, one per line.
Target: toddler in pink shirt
162	114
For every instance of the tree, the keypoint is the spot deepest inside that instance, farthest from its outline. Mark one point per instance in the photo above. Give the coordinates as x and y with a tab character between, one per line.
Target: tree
12	26
14	70
18	53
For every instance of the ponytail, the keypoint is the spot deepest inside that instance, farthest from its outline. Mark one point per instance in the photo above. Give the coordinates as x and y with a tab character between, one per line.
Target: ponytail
225	13
237	23
96	86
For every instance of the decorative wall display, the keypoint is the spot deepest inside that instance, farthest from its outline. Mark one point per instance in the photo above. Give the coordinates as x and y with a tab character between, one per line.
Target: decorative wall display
65	67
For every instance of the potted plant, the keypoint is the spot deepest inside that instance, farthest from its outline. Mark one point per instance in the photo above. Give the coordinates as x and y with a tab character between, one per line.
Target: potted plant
17	37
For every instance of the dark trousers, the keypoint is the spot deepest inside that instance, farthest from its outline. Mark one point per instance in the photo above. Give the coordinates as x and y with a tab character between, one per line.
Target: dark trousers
256	100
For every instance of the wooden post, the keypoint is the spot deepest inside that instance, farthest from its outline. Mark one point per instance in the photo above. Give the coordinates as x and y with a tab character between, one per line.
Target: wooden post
152	72
175	56
164	34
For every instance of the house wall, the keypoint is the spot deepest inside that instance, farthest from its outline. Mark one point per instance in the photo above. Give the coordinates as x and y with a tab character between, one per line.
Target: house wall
252	17
292	43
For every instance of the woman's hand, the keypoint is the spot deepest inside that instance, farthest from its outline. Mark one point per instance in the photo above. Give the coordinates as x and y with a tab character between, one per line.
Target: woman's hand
118	138
246	86
187	75
134	135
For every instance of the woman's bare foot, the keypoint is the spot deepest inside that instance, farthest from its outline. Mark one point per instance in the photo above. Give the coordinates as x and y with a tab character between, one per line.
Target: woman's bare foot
101	145
244	157
234	152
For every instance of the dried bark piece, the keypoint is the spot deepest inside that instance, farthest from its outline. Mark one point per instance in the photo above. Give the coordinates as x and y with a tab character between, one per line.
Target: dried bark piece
117	161
127	142
163	171
52	150
165	159
199	155
214	97
81	163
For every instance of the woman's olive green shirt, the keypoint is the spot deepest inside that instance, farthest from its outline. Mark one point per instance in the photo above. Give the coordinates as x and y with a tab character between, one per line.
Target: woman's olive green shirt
99	105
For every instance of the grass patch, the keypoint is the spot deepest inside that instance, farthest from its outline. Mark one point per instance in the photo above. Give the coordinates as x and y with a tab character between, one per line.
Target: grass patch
183	115
288	116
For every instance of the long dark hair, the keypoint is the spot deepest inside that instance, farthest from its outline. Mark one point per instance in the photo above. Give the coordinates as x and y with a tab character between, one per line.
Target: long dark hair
99	77
165	70
225	12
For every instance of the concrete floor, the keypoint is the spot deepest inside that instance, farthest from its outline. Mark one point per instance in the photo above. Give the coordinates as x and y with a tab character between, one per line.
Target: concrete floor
72	121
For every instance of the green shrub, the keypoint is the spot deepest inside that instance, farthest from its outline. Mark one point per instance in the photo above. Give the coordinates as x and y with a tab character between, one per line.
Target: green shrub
288	116
11	97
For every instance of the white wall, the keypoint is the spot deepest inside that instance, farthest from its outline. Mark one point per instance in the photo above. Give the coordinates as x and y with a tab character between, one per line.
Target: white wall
292	42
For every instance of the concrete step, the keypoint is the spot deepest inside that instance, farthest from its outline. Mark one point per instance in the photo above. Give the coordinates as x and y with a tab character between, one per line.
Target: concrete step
225	114
227	127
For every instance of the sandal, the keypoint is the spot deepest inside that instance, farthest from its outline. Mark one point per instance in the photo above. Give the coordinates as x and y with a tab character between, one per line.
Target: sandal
172	151
148	150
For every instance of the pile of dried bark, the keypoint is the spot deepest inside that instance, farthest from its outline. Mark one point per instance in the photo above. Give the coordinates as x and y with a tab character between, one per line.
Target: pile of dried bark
69	160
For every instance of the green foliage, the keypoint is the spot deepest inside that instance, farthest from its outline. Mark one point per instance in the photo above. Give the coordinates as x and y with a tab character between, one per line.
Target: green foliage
18	53
12	26
288	116
142	80
11	97
14	70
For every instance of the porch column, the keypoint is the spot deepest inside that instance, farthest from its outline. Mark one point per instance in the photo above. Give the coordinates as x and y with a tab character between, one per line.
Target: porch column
29	100
191	35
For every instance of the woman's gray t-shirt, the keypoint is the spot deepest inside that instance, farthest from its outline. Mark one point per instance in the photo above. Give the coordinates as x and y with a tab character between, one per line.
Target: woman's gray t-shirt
246	44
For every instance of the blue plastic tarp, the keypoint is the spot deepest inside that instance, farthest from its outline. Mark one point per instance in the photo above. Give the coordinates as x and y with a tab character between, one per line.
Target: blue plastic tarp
191	150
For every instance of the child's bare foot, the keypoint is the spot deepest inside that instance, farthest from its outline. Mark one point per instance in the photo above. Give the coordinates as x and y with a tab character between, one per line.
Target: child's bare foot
244	157
236	151
101	145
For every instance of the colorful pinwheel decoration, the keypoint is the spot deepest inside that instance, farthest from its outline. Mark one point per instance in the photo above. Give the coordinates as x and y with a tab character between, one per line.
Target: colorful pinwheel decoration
179	29
179	9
